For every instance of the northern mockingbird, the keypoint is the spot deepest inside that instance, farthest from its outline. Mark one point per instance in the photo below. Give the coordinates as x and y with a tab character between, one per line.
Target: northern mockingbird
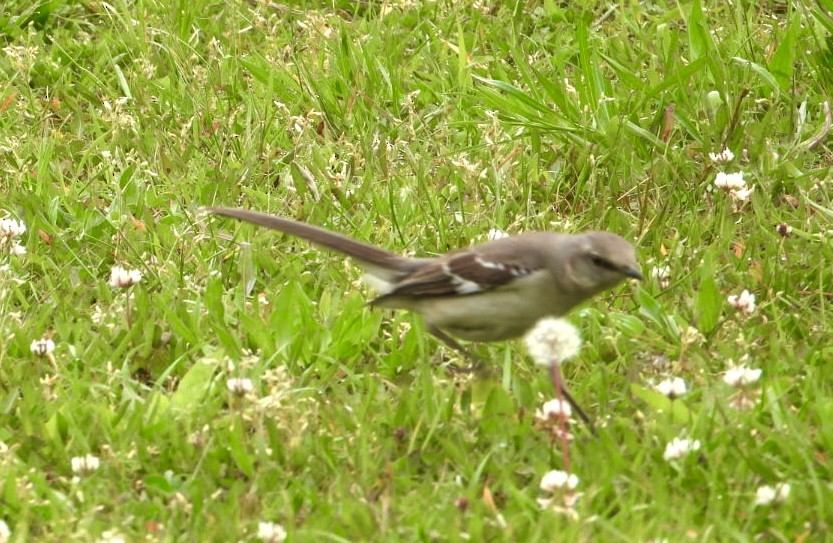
494	291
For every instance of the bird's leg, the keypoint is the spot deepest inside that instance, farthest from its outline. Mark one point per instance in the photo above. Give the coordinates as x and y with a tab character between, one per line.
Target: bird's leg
561	388
477	364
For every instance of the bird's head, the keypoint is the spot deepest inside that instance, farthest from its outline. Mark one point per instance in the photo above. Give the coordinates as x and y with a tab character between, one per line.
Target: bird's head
601	261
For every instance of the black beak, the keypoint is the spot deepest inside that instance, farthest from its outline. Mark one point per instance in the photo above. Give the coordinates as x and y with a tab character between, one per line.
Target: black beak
633	272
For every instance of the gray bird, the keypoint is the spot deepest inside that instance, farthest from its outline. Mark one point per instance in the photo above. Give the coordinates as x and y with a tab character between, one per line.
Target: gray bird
494	291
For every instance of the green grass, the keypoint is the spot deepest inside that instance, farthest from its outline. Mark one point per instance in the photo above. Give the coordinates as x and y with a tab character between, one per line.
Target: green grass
419	126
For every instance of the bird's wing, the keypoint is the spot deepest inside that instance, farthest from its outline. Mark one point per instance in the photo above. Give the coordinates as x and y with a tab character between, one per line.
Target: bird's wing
458	274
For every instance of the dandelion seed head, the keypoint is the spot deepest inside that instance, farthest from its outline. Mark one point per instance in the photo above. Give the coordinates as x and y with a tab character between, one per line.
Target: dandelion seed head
552	341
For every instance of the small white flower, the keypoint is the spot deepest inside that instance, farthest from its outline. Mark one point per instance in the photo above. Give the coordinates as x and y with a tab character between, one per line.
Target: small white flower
18	249
672	387
240	386
270	532
42	347
678	448
765	495
5	532
111	536
745	303
714	100
741	376
554	409
124	278
741	195
85	464
661	272
10	228
494	234
783	490
783	229
726	155
556	480
729	181
552	341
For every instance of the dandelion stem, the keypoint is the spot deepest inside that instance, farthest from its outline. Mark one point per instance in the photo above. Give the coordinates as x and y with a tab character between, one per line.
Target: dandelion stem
561	390
558	383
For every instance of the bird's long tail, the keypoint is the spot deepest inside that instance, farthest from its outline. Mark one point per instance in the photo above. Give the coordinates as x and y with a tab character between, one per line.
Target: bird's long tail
377	261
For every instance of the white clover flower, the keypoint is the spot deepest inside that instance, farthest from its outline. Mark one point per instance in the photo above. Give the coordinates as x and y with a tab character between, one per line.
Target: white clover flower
672	387
741	376
239	386
726	155
10	228
270	532
5	532
783	229
556	480
714	100
42	347
783	492
552	341
494	234
85	464
124	278
729	181
741	195
661	272
677	448
554	409
745	303
111	536
765	495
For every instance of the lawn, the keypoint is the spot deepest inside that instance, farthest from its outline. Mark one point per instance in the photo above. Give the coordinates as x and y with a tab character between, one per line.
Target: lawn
236	386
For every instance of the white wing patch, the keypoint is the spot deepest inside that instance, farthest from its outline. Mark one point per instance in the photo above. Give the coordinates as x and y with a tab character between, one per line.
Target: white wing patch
378	284
461	284
489	265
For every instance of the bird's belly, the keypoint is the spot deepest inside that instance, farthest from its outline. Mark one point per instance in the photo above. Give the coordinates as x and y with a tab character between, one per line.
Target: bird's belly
496	317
